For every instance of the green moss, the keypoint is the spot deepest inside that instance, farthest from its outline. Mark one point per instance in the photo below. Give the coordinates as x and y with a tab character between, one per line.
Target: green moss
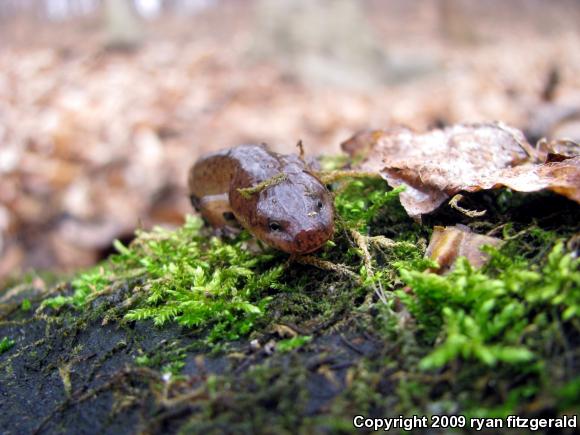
485	316
360	201
485	342
6	344
26	305
190	278
168	356
568	394
293	343
509	325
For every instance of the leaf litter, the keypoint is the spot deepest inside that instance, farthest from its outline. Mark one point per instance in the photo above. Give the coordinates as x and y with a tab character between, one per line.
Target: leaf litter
436	165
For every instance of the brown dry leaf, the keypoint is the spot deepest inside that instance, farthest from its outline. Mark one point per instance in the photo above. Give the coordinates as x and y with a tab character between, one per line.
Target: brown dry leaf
436	165
449	243
561	177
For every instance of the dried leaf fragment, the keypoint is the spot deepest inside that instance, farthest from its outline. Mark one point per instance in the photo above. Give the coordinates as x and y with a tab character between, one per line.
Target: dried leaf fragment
560	177
449	243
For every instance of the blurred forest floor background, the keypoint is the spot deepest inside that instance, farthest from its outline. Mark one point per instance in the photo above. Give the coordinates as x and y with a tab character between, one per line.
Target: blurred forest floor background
99	126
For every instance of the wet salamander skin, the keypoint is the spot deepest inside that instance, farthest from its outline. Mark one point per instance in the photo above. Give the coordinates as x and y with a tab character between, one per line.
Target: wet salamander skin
294	215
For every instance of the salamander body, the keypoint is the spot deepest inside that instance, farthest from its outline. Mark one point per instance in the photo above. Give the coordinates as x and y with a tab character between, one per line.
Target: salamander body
288	208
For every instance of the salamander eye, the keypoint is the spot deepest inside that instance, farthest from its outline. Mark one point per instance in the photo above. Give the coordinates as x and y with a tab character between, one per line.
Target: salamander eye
319	204
228	216
274	226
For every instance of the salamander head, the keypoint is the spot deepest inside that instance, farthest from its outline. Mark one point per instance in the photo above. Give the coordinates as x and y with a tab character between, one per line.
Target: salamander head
296	215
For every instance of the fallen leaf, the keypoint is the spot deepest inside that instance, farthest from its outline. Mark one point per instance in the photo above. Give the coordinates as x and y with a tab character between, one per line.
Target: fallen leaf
447	244
439	164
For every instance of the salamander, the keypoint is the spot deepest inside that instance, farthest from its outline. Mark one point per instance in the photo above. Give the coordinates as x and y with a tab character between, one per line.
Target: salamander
275	197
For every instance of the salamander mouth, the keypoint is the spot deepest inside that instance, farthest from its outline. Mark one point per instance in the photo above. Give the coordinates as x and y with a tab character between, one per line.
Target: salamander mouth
304	241
300	246
308	251
308	241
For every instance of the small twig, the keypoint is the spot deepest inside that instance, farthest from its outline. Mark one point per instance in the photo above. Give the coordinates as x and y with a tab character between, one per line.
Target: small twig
192	395
300	146
516	235
332	176
64	373
325	265
350	345
454	203
362	242
385	242
247	192
495	229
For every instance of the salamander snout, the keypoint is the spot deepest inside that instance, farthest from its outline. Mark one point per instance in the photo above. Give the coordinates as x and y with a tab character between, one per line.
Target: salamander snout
310	240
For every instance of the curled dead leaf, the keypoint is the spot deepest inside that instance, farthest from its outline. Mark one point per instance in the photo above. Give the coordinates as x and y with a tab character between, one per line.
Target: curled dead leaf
441	163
